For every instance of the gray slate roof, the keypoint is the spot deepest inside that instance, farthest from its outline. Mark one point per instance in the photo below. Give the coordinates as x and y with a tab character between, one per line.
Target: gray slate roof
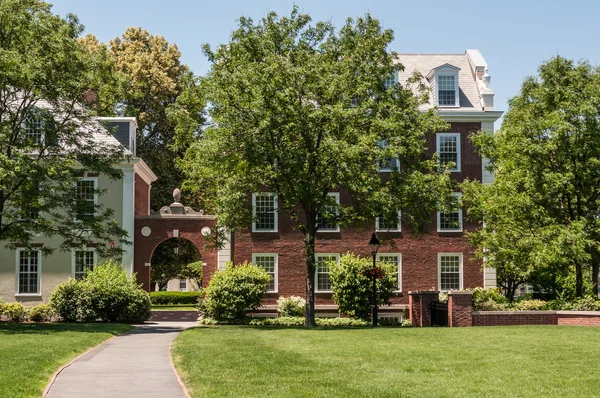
424	63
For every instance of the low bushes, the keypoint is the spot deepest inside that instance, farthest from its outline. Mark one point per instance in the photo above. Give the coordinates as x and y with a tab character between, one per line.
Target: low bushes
291	306
491	300
106	293
14	312
41	313
174	298
234	291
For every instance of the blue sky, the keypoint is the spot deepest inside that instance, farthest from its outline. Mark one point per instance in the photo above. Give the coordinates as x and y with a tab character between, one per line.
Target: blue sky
514	36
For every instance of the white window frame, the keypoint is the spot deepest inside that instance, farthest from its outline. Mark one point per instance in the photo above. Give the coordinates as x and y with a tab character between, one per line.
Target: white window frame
18	273
336	195
396	161
460	216
317	255
399	255
73	257
185	289
394	77
460	270
95	179
457	168
276	276
399	229
35	113
275	212
447	72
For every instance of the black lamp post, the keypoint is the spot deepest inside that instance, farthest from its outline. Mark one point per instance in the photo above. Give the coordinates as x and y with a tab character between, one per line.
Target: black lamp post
374	246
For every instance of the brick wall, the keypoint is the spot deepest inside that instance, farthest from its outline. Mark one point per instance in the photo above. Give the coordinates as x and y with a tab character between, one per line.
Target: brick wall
460	309
419	307
506	318
142	196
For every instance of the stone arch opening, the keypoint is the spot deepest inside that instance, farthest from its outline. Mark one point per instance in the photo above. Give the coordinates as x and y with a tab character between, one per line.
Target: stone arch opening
174	260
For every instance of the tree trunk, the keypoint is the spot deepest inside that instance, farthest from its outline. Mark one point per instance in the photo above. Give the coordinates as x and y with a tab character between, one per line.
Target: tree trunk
595	269
578	280
309	246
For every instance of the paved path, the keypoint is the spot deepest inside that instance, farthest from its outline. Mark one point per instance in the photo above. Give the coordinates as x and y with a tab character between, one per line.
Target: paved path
134	364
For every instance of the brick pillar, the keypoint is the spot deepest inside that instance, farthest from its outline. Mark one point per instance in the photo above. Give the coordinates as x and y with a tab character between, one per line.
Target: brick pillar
460	309
420	307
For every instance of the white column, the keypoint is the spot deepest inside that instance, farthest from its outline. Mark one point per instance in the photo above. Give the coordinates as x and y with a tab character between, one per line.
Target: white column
128	217
224	254
486	176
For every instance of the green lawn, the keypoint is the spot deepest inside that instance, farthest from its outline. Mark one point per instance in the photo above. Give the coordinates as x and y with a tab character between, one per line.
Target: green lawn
30	353
526	361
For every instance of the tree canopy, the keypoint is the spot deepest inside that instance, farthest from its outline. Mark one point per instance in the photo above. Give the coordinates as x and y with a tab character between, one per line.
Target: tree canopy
301	109
140	74
544	205
47	137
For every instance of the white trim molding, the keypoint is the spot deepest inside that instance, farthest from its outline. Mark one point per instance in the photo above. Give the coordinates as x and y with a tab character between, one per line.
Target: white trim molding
275	212
18	273
397	229
73	259
458	195
317	255
460	270
438	137
275	257
398	268
128	221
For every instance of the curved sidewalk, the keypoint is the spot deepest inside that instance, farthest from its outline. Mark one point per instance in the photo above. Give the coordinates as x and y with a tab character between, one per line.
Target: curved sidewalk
134	364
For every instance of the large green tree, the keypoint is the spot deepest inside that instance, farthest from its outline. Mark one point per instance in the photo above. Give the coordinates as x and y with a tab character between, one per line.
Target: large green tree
301	109
140	74
47	137
546	158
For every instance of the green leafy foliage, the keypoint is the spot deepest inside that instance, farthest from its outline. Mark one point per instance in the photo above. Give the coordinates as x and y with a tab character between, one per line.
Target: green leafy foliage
292	306
489	300
165	298
306	116
352	284
529	305
106	293
45	73
41	313
167	264
542	212
234	291
14	312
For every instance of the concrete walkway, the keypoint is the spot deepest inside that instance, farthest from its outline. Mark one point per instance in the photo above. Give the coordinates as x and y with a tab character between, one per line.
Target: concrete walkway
134	364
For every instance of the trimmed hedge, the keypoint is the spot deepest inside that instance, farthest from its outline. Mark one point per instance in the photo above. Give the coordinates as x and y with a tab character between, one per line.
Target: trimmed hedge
174	298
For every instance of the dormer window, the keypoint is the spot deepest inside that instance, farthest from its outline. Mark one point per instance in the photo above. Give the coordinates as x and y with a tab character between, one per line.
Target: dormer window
444	81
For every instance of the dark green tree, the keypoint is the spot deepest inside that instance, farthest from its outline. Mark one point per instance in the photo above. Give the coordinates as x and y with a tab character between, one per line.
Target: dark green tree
546	158
301	109
170	260
47	137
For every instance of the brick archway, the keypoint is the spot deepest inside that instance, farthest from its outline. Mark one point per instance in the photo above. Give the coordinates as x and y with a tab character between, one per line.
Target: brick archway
152	230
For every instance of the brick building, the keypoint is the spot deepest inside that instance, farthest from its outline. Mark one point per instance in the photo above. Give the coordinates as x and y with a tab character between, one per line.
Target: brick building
438	260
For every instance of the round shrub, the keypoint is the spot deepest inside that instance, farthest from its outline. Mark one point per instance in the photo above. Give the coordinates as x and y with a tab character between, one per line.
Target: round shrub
72	301
352	284
587	303
15	312
234	291
41	313
291	306
106	293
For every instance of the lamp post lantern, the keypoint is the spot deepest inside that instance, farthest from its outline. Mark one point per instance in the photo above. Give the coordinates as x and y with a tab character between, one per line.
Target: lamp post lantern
374	246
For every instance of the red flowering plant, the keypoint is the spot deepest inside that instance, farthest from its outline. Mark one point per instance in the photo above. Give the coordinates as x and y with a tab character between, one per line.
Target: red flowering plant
377	272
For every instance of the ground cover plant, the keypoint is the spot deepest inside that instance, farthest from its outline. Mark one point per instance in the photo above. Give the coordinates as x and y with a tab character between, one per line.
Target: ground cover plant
389	362
31	353
174	298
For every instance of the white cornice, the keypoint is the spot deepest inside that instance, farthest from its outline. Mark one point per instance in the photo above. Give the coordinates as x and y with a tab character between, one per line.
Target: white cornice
470	116
145	172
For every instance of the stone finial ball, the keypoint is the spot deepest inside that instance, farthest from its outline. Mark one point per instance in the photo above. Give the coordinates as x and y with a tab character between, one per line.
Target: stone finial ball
176	195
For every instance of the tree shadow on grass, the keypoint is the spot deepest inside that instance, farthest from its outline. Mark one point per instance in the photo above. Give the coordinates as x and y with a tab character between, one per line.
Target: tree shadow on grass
51	328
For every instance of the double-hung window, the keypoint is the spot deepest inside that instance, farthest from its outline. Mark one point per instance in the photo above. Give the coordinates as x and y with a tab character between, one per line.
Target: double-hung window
448	149
388	223
87	198
34	125
83	261
389	163
30	201
447	85
328	221
183	285
450	270
264	205
268	262
396	259
451	220
29	263
322	280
